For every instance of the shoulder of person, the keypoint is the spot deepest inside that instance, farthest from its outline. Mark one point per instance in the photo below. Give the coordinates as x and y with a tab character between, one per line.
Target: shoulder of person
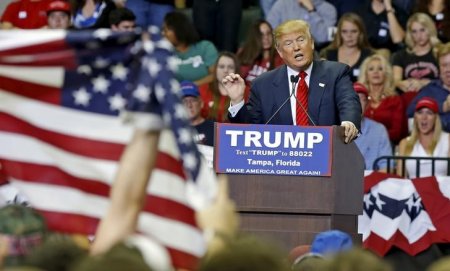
375	125
324	5
332	66
205	44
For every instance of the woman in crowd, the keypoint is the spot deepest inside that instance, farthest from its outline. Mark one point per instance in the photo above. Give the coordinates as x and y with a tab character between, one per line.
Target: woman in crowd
214	94
195	57
91	13
439	10
427	140
416	65
384	106
258	54
350	45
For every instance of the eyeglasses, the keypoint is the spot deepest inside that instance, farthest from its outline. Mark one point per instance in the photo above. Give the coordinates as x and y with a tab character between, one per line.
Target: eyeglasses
190	100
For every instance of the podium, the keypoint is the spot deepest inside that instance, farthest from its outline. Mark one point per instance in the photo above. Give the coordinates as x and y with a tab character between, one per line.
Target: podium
291	210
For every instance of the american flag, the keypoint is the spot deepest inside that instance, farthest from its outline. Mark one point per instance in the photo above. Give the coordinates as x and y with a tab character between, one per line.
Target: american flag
409	214
61	137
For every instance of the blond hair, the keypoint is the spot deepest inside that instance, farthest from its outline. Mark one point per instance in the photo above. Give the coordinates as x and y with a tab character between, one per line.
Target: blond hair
337	42
415	134
442	50
424	20
388	88
291	26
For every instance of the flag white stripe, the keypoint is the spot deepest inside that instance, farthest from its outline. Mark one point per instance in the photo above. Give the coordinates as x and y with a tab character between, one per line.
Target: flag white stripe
167	185
64	120
414	230
27	149
63	199
73	201
159	227
22	148
12	39
169	144
384	226
444	185
47	76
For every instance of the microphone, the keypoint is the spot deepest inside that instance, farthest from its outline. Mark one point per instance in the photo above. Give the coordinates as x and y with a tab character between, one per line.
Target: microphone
294	80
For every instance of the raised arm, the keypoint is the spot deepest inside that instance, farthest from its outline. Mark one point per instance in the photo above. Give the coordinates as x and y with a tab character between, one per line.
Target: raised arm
128	191
396	30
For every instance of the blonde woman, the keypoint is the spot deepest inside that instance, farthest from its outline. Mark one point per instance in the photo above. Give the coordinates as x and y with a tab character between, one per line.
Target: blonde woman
427	140
384	106
416	65
439	10
350	45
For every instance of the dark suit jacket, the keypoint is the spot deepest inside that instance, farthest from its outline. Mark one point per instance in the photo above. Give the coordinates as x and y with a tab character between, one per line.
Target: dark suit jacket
331	97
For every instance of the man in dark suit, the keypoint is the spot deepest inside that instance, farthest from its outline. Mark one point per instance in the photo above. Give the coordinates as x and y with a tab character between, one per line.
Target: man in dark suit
325	90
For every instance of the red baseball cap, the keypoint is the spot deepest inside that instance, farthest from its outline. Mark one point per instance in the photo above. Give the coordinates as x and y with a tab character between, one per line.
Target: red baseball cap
428	103
58	6
360	88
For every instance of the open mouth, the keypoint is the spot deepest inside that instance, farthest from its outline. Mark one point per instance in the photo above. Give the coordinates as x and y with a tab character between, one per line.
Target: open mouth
298	57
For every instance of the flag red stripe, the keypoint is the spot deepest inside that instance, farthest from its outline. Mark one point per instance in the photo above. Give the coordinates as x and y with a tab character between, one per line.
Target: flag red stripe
70	223
374	178
436	205
170	164
170	209
77	145
31	90
381	246
36	173
183	260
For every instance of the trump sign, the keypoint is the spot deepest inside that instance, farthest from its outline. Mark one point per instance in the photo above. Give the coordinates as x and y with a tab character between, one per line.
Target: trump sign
273	149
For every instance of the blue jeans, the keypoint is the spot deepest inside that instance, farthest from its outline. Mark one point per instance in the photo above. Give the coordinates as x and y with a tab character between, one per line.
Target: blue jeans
148	13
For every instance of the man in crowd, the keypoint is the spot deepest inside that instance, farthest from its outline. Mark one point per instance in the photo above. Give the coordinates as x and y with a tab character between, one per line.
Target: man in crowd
58	15
324	94
122	19
194	104
438	89
319	14
374	140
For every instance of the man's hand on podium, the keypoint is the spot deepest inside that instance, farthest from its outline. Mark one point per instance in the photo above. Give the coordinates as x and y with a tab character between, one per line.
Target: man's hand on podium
350	131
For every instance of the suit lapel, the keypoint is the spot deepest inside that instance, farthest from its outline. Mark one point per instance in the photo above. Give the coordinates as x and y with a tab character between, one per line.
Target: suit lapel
317	86
281	91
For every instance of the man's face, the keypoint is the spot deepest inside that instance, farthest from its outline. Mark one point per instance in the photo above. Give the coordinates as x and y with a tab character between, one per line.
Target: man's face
444	69
58	20
193	106
124	26
296	49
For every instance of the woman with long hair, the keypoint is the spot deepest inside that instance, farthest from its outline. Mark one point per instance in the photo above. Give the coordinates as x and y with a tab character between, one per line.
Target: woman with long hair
350	45
439	11
384	105
90	14
416	65
195	57
426	140
258	53
214	94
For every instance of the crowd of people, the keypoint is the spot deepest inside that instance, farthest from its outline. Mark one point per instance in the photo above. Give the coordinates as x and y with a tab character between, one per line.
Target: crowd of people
394	55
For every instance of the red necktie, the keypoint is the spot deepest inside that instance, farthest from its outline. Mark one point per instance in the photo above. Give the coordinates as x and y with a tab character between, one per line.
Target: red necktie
302	98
